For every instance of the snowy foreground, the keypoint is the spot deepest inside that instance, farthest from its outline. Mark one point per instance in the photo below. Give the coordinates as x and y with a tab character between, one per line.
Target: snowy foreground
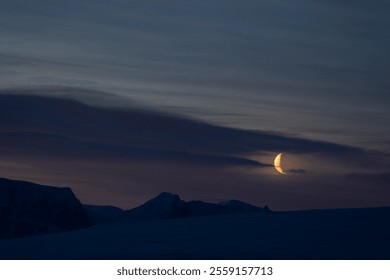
316	234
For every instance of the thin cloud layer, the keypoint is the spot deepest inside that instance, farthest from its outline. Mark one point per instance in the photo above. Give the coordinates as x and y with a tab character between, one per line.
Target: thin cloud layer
302	66
46	125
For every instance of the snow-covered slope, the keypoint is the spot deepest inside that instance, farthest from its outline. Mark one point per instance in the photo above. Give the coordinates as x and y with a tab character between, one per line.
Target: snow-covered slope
30	209
167	205
229	230
321	234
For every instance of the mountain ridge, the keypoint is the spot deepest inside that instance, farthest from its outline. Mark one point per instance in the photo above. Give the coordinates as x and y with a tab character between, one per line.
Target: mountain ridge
30	209
169	206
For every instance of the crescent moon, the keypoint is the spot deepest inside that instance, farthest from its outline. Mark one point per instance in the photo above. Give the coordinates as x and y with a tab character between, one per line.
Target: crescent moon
277	163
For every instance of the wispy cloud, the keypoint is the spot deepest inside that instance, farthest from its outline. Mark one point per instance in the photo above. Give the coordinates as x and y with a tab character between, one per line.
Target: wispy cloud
260	59
56	125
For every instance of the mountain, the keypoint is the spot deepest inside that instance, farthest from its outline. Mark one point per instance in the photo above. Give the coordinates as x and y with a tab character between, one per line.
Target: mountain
103	214
164	206
168	206
239	206
29	209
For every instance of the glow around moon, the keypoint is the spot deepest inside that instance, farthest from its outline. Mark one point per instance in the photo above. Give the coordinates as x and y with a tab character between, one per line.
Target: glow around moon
278	163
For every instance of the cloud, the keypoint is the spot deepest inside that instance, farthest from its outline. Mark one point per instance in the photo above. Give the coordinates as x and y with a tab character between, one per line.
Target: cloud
289	66
370	178
49	80
125	155
296	171
55	125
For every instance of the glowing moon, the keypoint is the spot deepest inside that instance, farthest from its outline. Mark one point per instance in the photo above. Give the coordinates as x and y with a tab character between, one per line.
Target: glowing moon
278	163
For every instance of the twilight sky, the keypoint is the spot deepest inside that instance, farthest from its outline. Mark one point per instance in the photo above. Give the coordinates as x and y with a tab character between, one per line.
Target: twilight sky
202	95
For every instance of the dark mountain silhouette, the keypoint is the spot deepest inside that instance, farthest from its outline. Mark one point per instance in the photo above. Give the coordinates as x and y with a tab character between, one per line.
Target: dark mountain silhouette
102	214
30	209
164	206
168	206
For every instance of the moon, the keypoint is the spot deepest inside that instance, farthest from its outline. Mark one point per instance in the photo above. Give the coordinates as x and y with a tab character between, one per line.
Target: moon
278	162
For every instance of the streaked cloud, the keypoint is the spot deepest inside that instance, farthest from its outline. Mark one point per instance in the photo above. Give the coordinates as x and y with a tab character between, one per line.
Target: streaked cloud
279	66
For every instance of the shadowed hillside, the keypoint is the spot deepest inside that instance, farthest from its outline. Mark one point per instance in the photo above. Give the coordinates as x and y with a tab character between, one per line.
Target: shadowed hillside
31	209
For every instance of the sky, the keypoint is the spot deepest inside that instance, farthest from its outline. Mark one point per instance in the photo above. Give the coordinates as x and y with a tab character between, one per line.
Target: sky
197	98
